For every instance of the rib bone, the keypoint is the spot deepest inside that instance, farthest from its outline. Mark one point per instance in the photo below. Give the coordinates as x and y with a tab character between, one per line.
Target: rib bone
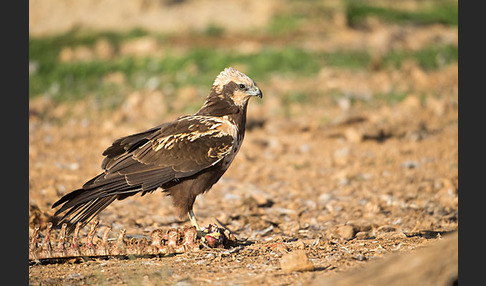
169	242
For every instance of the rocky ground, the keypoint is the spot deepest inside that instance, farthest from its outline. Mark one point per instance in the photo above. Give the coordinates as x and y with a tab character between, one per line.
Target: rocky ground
317	190
348	190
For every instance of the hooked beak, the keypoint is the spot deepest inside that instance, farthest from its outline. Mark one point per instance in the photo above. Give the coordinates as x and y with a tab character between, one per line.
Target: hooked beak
256	92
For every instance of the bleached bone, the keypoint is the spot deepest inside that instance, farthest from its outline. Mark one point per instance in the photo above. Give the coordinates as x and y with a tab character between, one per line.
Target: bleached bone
172	241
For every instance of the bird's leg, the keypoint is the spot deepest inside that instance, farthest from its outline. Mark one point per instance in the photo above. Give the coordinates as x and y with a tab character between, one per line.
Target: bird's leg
192	218
210	236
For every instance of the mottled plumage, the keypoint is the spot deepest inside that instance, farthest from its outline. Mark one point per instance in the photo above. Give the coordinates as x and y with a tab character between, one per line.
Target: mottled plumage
184	157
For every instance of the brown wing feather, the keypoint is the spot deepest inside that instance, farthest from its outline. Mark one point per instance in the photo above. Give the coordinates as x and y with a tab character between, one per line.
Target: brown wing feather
187	145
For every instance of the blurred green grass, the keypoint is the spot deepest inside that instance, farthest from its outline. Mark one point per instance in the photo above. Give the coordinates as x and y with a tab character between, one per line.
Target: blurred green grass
441	12
199	66
75	79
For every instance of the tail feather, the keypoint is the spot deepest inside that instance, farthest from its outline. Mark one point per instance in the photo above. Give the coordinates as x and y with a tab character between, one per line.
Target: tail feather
83	196
84	213
82	205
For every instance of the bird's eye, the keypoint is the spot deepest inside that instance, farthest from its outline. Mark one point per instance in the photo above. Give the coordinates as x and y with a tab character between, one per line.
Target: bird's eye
241	86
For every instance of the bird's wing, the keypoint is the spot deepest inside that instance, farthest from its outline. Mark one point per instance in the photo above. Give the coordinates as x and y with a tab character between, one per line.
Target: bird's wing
173	150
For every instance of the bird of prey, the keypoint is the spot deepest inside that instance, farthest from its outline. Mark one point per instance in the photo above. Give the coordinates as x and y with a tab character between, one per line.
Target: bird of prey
184	157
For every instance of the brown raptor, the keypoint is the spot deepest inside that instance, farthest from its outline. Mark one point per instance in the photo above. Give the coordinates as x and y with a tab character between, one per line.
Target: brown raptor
184	158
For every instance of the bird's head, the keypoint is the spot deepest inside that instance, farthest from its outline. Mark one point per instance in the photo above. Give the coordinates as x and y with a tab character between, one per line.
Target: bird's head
235	85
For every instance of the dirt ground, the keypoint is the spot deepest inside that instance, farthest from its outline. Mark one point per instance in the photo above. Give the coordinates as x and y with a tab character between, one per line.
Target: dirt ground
348	191
348	181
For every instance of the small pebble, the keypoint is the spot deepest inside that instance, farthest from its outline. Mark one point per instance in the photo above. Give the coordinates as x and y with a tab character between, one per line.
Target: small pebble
410	164
296	261
345	231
